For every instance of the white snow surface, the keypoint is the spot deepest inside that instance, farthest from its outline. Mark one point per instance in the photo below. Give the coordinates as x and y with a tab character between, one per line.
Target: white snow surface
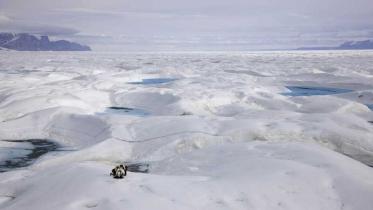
220	136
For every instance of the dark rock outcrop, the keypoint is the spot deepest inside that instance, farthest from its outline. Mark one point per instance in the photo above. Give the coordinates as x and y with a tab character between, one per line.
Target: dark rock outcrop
28	42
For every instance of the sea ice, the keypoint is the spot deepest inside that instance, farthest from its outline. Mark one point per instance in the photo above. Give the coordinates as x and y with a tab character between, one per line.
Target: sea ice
221	136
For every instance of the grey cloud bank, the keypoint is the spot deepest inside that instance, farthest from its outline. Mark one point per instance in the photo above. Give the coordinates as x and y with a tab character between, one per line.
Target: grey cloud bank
181	24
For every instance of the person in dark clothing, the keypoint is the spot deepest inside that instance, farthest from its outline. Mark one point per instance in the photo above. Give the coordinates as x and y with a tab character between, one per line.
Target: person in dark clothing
119	172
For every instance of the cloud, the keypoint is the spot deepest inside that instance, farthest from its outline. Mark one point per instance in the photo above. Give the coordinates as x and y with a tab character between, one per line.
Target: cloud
85	12
9	25
47	30
4	19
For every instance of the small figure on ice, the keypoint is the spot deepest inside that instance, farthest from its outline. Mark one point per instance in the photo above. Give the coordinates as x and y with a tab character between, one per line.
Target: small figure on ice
119	172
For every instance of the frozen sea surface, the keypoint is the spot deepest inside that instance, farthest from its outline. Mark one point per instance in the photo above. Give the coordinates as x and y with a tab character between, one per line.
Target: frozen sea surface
266	130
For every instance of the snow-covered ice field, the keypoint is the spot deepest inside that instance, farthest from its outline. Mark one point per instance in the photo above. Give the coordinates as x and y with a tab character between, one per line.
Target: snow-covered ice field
261	131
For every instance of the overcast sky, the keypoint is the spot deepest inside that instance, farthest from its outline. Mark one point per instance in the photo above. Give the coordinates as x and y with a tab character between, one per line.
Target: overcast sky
192	24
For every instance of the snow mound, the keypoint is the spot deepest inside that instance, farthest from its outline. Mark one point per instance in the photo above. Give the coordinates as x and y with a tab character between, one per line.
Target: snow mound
155	102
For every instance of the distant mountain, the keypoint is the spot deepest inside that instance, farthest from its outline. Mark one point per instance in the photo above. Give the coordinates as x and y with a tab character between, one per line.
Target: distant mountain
28	42
351	45
363	45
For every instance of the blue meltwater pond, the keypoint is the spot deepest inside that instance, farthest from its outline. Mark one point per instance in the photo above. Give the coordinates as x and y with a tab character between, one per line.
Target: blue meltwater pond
126	111
312	91
153	81
24	156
